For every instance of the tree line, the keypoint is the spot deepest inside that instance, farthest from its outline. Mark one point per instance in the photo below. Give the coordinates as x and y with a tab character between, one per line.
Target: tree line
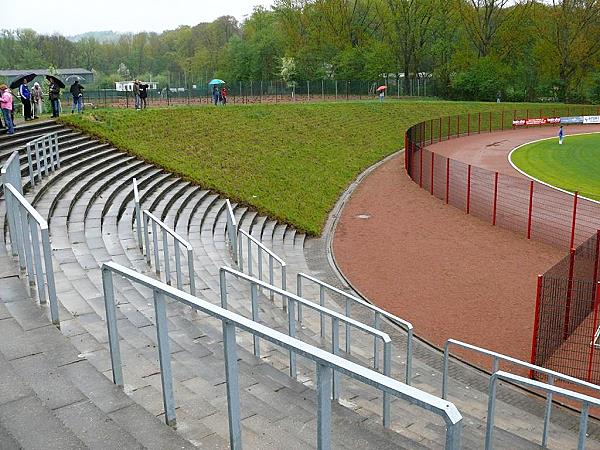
519	50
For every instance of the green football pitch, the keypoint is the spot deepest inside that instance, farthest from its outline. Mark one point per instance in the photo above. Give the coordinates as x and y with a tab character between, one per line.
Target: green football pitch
573	166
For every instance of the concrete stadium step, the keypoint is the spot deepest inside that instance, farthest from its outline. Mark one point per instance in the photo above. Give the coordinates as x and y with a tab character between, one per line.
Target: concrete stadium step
27	131
45	381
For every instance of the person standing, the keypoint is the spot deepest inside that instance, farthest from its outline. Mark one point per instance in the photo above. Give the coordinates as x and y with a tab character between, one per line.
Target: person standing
25	96
561	135
54	95
38	100
77	93
6	103
224	95
136	93
215	94
143	94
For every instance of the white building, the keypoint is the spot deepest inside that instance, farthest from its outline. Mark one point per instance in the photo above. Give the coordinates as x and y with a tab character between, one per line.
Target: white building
128	85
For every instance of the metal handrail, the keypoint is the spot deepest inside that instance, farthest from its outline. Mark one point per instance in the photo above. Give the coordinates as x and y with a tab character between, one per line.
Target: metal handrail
497	357
138	214
10	173
46	153
325	362
335	318
166	231
232	230
585	400
347	310
272	257
21	212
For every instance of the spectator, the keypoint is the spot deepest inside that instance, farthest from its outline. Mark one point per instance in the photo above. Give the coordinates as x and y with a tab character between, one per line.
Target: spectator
136	93
77	93
54	95
38	100
144	94
224	95
25	96
561	135
6	103
216	94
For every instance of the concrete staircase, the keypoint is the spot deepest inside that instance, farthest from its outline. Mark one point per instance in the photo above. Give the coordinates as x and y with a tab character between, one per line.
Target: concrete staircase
89	206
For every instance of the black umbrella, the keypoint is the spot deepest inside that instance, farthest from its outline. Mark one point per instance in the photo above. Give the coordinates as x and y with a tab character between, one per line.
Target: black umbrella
55	80
22	78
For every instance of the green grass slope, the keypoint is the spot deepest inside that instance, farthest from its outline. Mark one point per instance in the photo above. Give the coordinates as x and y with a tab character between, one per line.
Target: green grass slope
290	161
573	166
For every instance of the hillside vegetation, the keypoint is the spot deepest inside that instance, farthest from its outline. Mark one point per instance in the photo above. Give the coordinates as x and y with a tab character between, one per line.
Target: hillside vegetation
290	161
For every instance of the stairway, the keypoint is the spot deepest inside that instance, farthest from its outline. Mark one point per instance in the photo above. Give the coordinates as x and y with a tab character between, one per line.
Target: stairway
89	206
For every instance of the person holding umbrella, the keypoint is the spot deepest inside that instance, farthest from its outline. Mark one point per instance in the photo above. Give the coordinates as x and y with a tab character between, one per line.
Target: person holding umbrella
25	96
77	93
54	94
381	90
6	103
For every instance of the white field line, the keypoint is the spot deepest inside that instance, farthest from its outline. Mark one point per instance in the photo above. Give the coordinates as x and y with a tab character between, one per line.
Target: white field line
543	182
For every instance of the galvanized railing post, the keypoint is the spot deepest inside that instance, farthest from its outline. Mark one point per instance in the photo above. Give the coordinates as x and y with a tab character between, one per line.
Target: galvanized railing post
155	241
335	349
232	231
190	260
387	369
165	239
147	238
50	276
56	151
23	217
489	432
323	407
111	323
284	299
299	292
240	258
260	263
178	274
409	354
249	261
322	303
138	214
254	299
233	391
583	423
376	325
164	356
43	150
30	164
37	259
271	277
39	159
445	371
347	311
547	413
292	333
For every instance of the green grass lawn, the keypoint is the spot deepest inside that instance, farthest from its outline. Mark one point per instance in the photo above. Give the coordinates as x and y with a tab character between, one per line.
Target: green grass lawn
290	161
573	166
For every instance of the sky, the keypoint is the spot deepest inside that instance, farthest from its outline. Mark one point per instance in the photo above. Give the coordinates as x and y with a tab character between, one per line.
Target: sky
71	17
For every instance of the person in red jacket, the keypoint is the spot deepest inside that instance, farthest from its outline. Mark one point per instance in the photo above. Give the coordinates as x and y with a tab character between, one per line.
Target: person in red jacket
224	95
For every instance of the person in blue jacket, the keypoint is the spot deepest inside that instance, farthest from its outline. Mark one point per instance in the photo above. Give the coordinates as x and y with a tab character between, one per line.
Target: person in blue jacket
561	135
25	96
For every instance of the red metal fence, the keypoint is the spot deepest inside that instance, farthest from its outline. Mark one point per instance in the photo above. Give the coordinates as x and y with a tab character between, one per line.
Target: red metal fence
568	294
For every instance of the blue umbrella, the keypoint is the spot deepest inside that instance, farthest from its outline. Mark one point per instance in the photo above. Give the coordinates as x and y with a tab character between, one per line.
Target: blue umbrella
216	81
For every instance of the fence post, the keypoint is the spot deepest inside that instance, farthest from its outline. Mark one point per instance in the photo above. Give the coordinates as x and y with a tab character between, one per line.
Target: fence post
431	178
164	356
323	407
469	189
457	125
421	167
495	199
440	131
502	122
448	135
431	132
447	180
468	124
530	209
574	219
597	259
490	122
233	390
596	300
536	322
569	293
479	123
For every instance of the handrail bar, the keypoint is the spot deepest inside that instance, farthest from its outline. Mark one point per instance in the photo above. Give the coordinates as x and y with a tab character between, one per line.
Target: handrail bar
325	361
335	317
403	323
586	401
499	356
169	230
30	257
148	216
10	172
263	246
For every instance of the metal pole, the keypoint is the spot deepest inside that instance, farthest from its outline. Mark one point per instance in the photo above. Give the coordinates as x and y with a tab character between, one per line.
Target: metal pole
233	391
192	273
323	407
155	242
164	356
50	277
547	413
111	323
178	273
166	257
335	349
37	260
146	238
254	299
292	333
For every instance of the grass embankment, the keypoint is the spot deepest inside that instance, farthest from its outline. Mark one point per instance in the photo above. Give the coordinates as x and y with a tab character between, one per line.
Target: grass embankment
290	161
573	166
